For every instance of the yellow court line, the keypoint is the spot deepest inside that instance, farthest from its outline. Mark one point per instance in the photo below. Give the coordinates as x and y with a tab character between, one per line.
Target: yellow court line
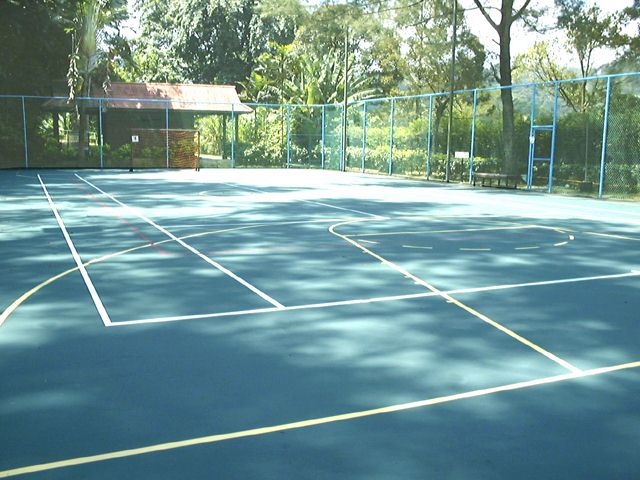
482	229
25	296
312	422
20	300
450	299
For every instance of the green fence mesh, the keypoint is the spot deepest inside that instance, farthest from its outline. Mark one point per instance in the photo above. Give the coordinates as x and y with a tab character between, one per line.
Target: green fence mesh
12	151
622	161
560	125
333	137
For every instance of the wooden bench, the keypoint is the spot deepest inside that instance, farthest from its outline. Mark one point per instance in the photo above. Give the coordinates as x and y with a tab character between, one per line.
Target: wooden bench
495	176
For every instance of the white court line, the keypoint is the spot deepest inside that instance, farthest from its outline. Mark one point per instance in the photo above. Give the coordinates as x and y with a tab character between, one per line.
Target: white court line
310	201
193	250
377	299
553	209
610	235
76	257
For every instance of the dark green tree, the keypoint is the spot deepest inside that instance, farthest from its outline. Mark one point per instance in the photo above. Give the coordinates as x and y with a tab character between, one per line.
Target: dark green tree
205	41
510	12
428	57
91	54
34	46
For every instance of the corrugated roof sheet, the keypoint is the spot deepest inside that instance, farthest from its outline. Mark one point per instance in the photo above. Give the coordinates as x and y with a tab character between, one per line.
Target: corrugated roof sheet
177	96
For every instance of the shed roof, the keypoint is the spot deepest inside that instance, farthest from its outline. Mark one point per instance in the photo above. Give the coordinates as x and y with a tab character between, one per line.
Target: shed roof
157	96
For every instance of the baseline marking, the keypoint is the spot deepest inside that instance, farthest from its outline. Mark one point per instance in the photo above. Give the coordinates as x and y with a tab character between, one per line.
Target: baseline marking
308	201
450	299
193	250
161	447
104	316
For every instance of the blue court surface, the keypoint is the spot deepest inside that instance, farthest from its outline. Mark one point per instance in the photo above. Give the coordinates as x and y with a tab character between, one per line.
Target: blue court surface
272	324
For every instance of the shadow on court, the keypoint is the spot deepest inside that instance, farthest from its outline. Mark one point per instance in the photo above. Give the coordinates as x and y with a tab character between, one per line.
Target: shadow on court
74	388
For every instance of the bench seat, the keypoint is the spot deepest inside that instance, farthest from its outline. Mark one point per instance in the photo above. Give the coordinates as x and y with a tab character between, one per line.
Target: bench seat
485	176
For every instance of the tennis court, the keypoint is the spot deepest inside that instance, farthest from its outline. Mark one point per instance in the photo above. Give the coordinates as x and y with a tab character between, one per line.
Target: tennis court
313	324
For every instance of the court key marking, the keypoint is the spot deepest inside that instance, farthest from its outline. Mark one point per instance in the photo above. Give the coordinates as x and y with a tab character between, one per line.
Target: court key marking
193	250
104	316
450	299
464	230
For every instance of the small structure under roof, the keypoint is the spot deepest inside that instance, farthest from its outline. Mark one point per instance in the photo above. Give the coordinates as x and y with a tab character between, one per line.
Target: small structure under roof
158	96
129	106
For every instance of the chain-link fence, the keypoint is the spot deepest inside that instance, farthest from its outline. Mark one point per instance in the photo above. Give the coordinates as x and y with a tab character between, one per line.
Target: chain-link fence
574	136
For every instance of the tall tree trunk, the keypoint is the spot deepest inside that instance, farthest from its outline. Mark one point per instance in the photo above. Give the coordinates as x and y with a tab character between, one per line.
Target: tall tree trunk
503	28
506	94
83	123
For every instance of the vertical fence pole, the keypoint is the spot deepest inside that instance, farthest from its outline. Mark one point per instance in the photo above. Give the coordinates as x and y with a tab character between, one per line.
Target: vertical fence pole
428	166
532	138
391	122
553	135
473	134
100	140
364	135
233	136
605	129
343	140
288	136
166	123
324	138
24	130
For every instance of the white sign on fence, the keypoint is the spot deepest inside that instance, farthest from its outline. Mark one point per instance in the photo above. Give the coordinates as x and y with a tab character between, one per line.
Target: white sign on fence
462	155
134	139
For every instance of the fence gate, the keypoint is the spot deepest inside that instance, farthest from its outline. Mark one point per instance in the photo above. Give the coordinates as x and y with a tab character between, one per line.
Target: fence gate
542	142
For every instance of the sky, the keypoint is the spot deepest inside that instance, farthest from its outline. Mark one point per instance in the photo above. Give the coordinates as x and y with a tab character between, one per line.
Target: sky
523	40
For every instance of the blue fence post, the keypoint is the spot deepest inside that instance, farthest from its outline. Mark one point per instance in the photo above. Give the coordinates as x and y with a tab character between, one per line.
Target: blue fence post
324	138
428	166
532	138
343	148
364	135
605	129
288	136
391	121
553	135
473	134
233	136
24	130
166	123
100	140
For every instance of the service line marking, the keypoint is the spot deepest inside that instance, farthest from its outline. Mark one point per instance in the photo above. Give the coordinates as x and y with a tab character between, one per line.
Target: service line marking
25	296
216	438
104	316
361	301
193	250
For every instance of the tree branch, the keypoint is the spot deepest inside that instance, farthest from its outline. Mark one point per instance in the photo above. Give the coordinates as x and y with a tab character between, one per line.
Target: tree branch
521	11
487	16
